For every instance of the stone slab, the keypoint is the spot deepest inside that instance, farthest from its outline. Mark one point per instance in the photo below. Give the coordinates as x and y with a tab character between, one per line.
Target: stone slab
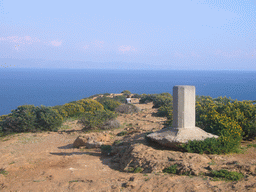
170	137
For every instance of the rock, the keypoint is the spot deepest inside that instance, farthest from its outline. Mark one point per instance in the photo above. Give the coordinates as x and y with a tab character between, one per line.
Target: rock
91	140
85	141
152	160
170	137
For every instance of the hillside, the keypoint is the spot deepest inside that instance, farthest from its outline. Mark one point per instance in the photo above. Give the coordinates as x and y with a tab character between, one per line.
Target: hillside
48	162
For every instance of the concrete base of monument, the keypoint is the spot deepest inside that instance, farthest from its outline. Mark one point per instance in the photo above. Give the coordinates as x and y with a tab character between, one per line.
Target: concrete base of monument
171	137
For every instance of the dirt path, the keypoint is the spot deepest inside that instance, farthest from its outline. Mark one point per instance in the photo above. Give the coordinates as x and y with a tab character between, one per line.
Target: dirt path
48	162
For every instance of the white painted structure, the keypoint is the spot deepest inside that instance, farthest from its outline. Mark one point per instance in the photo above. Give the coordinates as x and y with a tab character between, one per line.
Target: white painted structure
184	106
184	117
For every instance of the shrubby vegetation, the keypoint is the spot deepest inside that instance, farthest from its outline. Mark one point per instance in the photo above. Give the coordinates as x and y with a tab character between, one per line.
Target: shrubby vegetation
216	174
109	103
164	111
163	99
172	169
147	98
136	95
28	118
211	112
76	108
231	120
227	175
126	92
97	120
163	102
127	108
120	98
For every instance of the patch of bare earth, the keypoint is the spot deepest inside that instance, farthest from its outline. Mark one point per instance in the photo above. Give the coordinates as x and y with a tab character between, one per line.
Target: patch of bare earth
48	161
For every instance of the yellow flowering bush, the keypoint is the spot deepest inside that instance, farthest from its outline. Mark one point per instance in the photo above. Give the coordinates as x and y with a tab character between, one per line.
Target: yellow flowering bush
90	105
3	117
59	109
210	111
223	117
73	108
78	107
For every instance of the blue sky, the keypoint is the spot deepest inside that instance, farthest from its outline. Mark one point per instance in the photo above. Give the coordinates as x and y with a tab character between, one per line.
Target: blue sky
165	34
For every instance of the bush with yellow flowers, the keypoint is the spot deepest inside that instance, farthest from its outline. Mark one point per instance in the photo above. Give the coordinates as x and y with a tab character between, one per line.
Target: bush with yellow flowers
73	108
60	109
231	120
76	108
243	113
90	105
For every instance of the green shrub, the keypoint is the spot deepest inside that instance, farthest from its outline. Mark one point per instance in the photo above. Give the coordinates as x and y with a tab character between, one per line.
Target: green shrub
215	116
108	103
138	170
1	129
111	105
230	135
3	172
147	98
243	113
21	119
120	98
122	133
28	118
130	169
73	109
126	92
96	119
47	119
227	175
209	146
2	118
127	108
172	169
61	110
164	99
136	96
90	105
165	111
76	108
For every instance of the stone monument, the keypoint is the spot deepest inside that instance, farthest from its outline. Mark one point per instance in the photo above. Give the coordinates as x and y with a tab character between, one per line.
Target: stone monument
184	120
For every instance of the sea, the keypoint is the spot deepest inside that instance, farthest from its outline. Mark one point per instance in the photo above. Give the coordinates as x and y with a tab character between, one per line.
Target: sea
50	87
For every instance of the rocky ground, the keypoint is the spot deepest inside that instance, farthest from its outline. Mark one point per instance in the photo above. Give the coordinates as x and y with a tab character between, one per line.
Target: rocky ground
48	161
